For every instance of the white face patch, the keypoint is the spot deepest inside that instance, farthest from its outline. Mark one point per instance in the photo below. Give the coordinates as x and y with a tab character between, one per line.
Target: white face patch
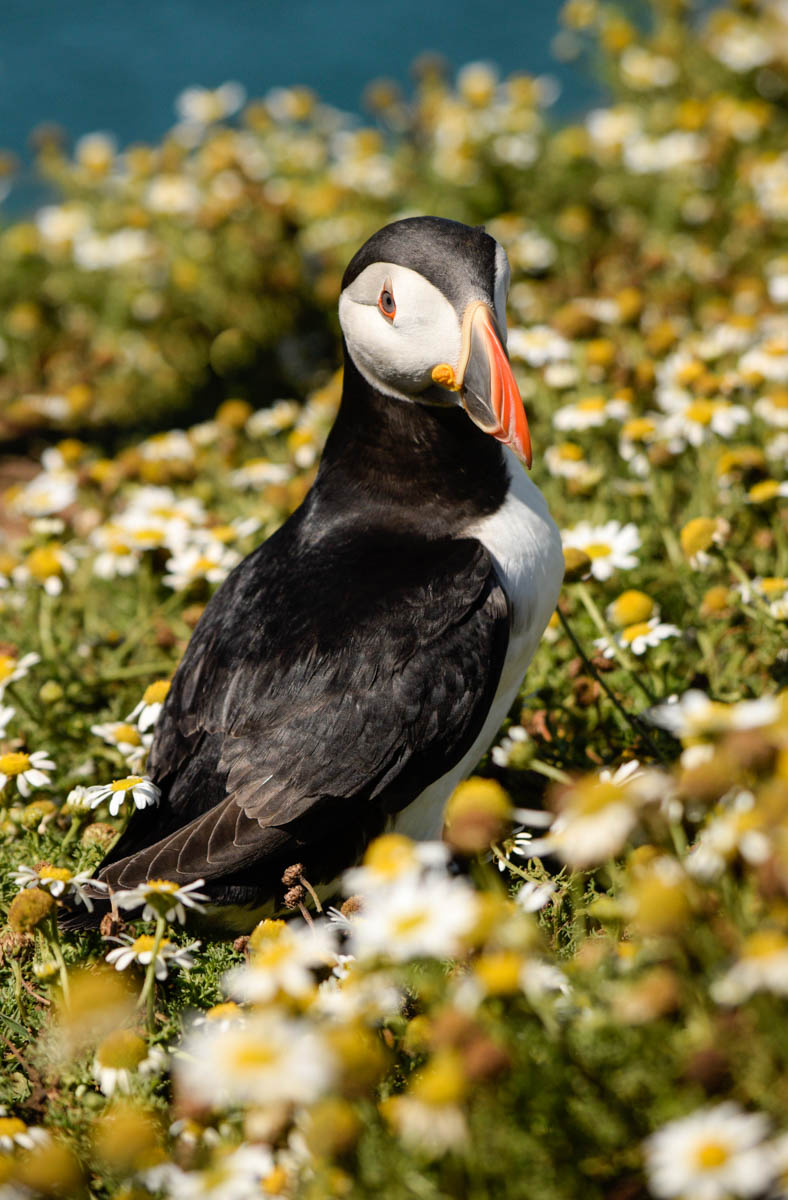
397	356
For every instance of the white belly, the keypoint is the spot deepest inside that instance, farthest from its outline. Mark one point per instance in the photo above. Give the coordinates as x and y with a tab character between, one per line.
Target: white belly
525	546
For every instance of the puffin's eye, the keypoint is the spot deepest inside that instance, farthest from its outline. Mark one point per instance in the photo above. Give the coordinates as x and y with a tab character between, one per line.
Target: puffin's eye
386	302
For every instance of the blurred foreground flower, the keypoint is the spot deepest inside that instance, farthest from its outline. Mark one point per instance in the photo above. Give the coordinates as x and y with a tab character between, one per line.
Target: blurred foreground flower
713	1154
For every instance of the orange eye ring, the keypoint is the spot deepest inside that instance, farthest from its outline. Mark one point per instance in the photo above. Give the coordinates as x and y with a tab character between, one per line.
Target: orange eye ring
386	301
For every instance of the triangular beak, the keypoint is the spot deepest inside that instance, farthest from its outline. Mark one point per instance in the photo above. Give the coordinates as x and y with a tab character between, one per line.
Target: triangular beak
488	390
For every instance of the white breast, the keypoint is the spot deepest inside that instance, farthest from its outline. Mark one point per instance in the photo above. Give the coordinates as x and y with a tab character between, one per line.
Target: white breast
525	546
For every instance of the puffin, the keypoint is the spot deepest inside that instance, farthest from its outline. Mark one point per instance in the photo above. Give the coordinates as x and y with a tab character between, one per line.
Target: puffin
359	662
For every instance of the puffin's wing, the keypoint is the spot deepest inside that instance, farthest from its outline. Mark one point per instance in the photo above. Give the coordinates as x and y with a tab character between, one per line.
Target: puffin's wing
298	722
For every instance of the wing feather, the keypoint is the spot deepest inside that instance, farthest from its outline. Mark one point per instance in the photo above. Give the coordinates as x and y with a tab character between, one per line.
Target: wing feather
295	727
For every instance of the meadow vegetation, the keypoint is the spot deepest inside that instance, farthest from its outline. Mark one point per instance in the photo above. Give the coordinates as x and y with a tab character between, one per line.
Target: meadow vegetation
591	1000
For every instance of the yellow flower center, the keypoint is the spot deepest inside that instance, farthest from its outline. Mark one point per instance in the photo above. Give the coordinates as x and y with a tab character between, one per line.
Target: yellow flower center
145	942
598	549
273	954
773	585
593	795
125	785
149	535
251	1056
44	561
14	763
632	606
204	564
710	1155
700	411
9	1126
155	692
224	533
390	854
162	886
765	943
570	451
592	404
7	666
767	489
220	1011
499	972
127	733
639	629
402	926
697	535
638	429
54	873
122	1051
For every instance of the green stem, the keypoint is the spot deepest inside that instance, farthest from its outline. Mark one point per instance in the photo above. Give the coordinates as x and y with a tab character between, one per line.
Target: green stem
16	971
147	995
549	771
602	626
45	632
77	821
510	866
625	718
52	939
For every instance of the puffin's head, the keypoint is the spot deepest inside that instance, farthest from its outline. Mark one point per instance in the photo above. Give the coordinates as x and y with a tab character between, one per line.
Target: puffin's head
423	311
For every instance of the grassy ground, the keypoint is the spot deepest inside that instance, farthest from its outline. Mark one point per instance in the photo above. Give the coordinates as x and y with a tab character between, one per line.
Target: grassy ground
595	1005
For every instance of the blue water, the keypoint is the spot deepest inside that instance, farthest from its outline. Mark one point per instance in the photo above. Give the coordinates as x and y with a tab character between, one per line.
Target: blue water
117	65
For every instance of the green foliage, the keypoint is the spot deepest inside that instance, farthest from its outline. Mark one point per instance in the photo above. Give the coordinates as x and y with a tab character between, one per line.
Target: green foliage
645	982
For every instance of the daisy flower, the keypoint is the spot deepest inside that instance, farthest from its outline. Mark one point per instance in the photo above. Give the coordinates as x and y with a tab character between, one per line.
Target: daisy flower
694	715
281	415
533	896
116	557
270	1059
259	472
281	960
502	753
237	1174
50	492
121	1056
762	966
7	714
713	1154
773	409
610	546
126	738
590	413
163	898
630	607
597	816
140	950
142	790
58	881
146	712
567	461
28	770
538	345
12	669
390	857
413	918
696	420
46	566
212	561
14	1132
638	638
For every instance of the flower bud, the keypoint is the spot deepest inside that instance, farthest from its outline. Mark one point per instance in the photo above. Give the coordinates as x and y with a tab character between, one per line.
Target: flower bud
30	909
577	564
477	814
